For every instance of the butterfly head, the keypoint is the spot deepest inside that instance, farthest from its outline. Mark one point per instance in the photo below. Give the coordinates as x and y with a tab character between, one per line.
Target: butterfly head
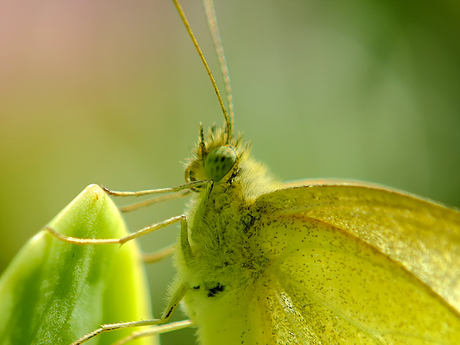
216	157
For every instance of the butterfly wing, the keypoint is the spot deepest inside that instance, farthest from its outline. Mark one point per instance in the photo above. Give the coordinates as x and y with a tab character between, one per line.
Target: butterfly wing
359	264
314	182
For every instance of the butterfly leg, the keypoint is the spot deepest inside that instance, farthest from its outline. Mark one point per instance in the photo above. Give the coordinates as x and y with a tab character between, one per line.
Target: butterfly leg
184	230
84	241
148	229
148	202
172	306
198	218
170	327
165	252
159	255
175	189
184	241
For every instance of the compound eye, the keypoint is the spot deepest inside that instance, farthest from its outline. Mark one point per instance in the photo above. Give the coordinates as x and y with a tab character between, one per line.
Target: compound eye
219	162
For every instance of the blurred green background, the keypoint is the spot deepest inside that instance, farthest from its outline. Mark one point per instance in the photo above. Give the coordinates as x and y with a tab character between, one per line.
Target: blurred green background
112	92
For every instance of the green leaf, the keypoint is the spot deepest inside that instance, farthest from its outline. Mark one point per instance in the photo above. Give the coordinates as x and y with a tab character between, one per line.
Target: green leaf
55	292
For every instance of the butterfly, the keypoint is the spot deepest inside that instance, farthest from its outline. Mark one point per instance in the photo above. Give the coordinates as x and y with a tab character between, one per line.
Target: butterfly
318	261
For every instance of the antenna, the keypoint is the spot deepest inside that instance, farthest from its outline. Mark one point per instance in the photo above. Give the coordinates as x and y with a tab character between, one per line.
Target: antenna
213	28
228	120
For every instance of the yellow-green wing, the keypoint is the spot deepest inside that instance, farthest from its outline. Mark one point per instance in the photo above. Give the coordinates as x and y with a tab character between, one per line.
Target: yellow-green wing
335	182
359	265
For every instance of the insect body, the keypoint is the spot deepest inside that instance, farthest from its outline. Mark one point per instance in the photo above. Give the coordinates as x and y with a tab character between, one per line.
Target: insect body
269	264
